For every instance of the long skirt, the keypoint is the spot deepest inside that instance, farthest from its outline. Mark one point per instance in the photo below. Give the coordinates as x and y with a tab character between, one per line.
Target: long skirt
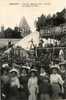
32	97
44	97
55	90
13	94
23	95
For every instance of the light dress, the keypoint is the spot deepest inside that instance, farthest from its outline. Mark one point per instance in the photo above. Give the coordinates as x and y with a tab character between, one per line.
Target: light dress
33	88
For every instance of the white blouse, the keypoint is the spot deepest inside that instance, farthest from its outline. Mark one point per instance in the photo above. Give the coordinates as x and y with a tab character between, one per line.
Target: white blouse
56	78
15	82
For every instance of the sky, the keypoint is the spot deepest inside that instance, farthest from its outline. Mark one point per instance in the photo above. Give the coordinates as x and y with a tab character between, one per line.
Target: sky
12	11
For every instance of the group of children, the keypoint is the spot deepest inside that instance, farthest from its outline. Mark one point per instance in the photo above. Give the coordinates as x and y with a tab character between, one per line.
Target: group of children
31	84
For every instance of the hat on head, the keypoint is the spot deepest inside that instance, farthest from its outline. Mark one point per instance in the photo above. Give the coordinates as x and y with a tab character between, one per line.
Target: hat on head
33	70
63	63
56	66
14	70
5	65
26	67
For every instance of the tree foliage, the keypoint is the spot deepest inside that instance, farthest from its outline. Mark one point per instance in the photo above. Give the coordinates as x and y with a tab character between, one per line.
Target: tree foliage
10	33
47	21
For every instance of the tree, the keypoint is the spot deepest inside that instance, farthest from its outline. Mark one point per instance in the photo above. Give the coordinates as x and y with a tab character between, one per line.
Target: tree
17	33
10	33
41	22
47	21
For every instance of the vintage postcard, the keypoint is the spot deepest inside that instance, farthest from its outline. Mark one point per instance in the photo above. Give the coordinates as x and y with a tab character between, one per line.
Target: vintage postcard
33	49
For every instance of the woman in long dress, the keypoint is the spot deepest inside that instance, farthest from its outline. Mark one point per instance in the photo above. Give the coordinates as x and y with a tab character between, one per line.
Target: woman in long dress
56	83
33	86
44	85
4	81
13	91
23	83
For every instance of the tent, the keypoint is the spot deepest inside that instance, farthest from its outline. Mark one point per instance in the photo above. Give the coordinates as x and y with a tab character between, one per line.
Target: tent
29	41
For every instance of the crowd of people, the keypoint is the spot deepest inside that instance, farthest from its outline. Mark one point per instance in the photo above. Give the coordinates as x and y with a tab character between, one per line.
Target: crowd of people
27	83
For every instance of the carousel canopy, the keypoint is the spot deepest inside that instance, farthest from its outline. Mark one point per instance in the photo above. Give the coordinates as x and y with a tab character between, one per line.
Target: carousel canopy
29	41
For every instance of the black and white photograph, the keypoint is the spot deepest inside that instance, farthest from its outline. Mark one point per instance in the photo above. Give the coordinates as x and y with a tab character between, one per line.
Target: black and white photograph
32	49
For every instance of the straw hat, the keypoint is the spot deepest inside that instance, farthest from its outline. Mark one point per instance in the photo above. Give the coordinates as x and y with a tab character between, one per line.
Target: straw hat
63	63
33	70
26	67
14	70
6	66
56	66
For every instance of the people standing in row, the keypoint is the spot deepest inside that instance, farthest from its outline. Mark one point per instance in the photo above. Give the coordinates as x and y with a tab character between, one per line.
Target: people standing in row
35	85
